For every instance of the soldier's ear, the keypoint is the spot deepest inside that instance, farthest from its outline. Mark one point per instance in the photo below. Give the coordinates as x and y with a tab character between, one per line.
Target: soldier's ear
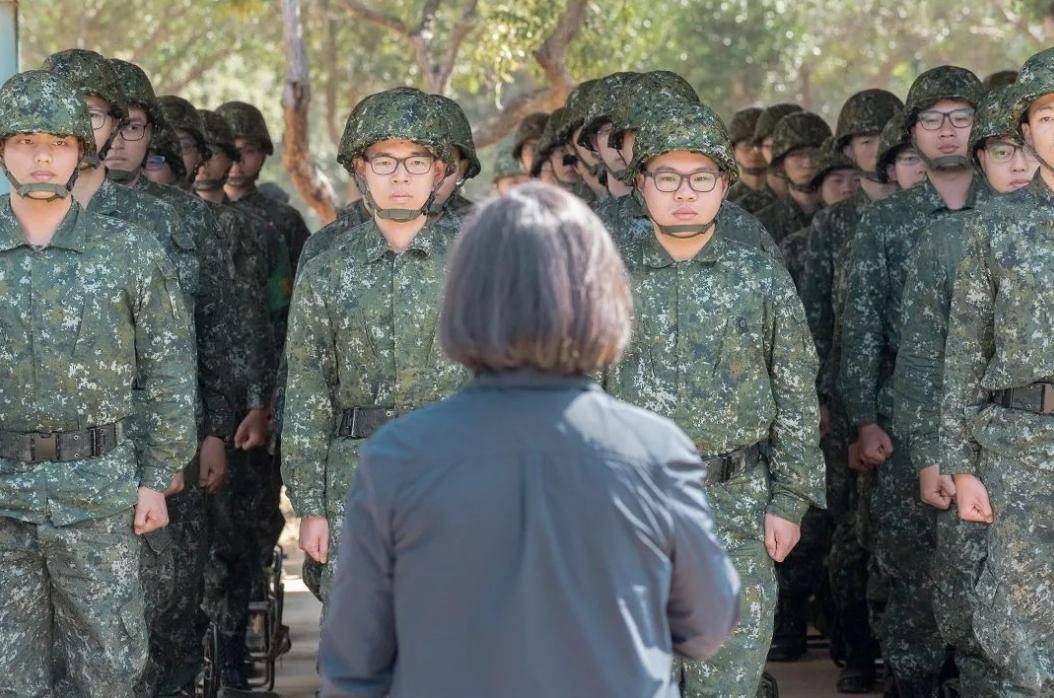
1026	133
847	150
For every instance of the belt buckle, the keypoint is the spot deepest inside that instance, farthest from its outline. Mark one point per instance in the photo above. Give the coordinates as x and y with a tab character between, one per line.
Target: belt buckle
1046	405
44	447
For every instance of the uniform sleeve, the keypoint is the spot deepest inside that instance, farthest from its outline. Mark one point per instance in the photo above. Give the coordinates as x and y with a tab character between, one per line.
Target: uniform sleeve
970	346
863	336
251	264
817	284
918	377
309	414
166	369
703	606
216	324
358	647
796	465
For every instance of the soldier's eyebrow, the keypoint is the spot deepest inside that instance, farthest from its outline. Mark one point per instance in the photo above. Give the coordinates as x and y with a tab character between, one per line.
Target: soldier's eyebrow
413	154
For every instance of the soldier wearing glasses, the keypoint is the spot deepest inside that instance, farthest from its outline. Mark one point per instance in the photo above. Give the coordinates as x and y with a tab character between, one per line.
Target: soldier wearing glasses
361	347
721	346
939	113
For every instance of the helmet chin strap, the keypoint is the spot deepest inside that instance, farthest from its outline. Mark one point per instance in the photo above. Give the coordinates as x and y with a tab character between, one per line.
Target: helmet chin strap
208	184
945	163
401	215
122	176
26	191
241	181
682	232
1042	161
754	171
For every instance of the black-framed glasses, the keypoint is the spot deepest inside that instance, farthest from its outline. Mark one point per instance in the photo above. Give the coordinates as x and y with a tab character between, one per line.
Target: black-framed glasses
700	181
384	165
1005	151
932	120
134	131
98	118
155	161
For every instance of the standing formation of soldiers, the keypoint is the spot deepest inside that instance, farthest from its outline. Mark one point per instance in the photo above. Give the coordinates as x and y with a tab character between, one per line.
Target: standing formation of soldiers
853	327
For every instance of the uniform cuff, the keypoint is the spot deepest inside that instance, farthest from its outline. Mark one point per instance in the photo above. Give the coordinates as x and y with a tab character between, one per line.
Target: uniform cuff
157	479
787	506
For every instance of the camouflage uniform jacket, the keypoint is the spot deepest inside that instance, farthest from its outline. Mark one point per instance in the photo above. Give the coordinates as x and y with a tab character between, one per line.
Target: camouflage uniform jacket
362	334
624	216
999	334
255	358
793	249
885	240
353	214
285	218
784	217
751	200
721	346
216	321
83	318
830	230
918	376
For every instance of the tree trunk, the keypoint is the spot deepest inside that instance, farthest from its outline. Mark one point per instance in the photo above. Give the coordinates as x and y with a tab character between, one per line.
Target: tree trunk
311	184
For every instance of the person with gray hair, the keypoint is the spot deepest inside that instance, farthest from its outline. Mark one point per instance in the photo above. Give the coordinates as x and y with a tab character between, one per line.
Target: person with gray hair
530	535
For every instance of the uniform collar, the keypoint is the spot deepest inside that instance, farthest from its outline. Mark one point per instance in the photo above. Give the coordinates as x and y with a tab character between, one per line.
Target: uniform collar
654	255
104	202
1039	189
424	242
69	236
930	199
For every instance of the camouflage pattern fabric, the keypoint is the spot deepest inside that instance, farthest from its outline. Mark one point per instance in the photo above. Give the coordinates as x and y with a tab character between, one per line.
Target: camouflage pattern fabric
529	128
942	82
770	116
646	98
137	90
793	248
867	111
1000	301
729	323
357	307
687	127
22	108
247	122
903	527
751	200
402	113
784	217
893	138
741	127
91	74
603	100
800	129
458	131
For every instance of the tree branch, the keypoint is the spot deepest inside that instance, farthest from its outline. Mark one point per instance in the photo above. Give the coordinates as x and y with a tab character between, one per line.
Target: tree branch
311	184
552	58
465	24
363	12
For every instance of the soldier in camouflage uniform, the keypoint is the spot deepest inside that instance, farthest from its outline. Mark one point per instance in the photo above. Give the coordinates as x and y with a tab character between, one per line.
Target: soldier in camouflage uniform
1008	166
860	123
939	112
796	141
525	142
89	305
508	173
466	163
995	433
588	165
173	562
253	141
717	318
360	349
775	187
752	165
557	157
596	128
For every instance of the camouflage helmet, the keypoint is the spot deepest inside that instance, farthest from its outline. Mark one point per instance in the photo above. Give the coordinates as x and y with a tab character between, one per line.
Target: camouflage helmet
645	97
218	133
894	136
1035	80
691	127
459	131
530	128
181	114
247	122
603	98
137	89
994	118
402	113
866	111
577	105
91	74
999	78
165	142
741	128
942	82
770	116
549	141
829	159
37	101
507	166
800	129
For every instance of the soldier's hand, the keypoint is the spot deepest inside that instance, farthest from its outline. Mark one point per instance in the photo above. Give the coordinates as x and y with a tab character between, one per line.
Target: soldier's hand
875	445
151	513
177	484
825	420
935	489
971	496
212	464
780	537
252	432
314	537
854	459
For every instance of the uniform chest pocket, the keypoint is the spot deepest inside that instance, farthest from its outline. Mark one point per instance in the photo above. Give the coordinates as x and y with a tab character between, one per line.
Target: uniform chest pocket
742	351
